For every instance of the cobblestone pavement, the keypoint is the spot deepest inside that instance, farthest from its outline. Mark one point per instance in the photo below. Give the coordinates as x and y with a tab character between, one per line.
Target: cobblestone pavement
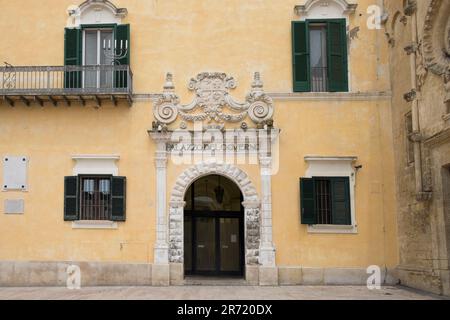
217	293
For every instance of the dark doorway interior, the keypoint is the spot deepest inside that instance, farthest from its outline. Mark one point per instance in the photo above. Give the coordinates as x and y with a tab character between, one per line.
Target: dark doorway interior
214	228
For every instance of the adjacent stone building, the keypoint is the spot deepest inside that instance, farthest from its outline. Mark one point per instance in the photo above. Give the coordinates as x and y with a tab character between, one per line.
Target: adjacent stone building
419	37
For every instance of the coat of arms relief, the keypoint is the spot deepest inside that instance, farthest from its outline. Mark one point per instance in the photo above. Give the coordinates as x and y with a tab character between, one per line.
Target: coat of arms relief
213	103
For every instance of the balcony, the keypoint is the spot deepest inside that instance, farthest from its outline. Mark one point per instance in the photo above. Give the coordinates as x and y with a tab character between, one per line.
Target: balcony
66	84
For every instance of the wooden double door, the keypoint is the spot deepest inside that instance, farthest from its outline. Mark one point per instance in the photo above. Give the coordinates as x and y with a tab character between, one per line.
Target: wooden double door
214	243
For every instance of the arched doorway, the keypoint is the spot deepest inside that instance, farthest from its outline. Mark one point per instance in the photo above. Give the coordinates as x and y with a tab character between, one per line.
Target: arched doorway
214	228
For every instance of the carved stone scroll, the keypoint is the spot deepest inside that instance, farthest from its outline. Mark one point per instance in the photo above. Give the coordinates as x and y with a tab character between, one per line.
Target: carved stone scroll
212	101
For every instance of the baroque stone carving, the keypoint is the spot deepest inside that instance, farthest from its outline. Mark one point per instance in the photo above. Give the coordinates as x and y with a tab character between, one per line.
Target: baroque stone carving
164	109
404	20
348	7
211	100
75	12
436	37
202	169
410	49
353	33
447	89
391	40
410	7
421	69
410	96
421	75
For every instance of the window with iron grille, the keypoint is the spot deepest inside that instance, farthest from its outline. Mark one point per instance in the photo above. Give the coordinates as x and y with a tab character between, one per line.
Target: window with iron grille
320	55
96	197
325	201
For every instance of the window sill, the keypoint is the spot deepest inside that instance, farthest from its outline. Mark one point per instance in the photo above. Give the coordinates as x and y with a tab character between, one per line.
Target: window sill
92	224
332	229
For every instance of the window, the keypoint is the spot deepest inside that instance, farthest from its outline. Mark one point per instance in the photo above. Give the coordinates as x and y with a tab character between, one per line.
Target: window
323	208
97	49
325	201
95	45
318	65
94	198
320	55
409	132
213	193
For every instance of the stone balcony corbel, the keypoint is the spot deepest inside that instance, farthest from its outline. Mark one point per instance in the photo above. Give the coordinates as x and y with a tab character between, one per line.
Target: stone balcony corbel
416	137
410	96
411	48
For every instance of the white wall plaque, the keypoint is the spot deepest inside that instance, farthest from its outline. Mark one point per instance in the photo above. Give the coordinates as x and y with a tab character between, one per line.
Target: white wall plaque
15	206
15	173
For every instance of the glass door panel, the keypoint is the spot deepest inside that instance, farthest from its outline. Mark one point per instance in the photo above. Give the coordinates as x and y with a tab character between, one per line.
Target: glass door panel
230	253
318	57
98	46
90	57
106	77
205	244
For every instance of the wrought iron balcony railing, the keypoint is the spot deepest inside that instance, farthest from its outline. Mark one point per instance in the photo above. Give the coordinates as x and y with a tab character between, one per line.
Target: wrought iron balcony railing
66	83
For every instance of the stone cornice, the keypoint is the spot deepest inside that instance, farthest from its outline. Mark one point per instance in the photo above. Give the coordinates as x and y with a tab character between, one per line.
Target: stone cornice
303	96
326	158
161	137
330	96
95	157
438	139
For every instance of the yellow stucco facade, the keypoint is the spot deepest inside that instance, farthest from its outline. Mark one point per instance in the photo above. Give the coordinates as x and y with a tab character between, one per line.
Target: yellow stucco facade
186	37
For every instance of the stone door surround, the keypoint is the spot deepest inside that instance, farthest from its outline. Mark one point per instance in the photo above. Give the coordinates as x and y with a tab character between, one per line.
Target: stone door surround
251	209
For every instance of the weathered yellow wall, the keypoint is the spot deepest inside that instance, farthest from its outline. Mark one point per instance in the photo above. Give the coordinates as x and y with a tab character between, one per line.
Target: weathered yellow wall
187	37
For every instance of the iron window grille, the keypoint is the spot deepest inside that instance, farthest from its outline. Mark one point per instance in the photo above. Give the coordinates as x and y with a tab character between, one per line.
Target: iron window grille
323	201
95	198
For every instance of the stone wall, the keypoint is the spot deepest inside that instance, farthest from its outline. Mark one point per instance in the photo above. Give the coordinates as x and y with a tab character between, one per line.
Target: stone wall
18	274
419	76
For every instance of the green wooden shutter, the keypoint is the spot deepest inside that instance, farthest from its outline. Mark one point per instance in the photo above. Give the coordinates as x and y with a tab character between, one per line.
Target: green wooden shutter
122	33
300	56
307	205
70	198
340	193
118	198
337	55
72	56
